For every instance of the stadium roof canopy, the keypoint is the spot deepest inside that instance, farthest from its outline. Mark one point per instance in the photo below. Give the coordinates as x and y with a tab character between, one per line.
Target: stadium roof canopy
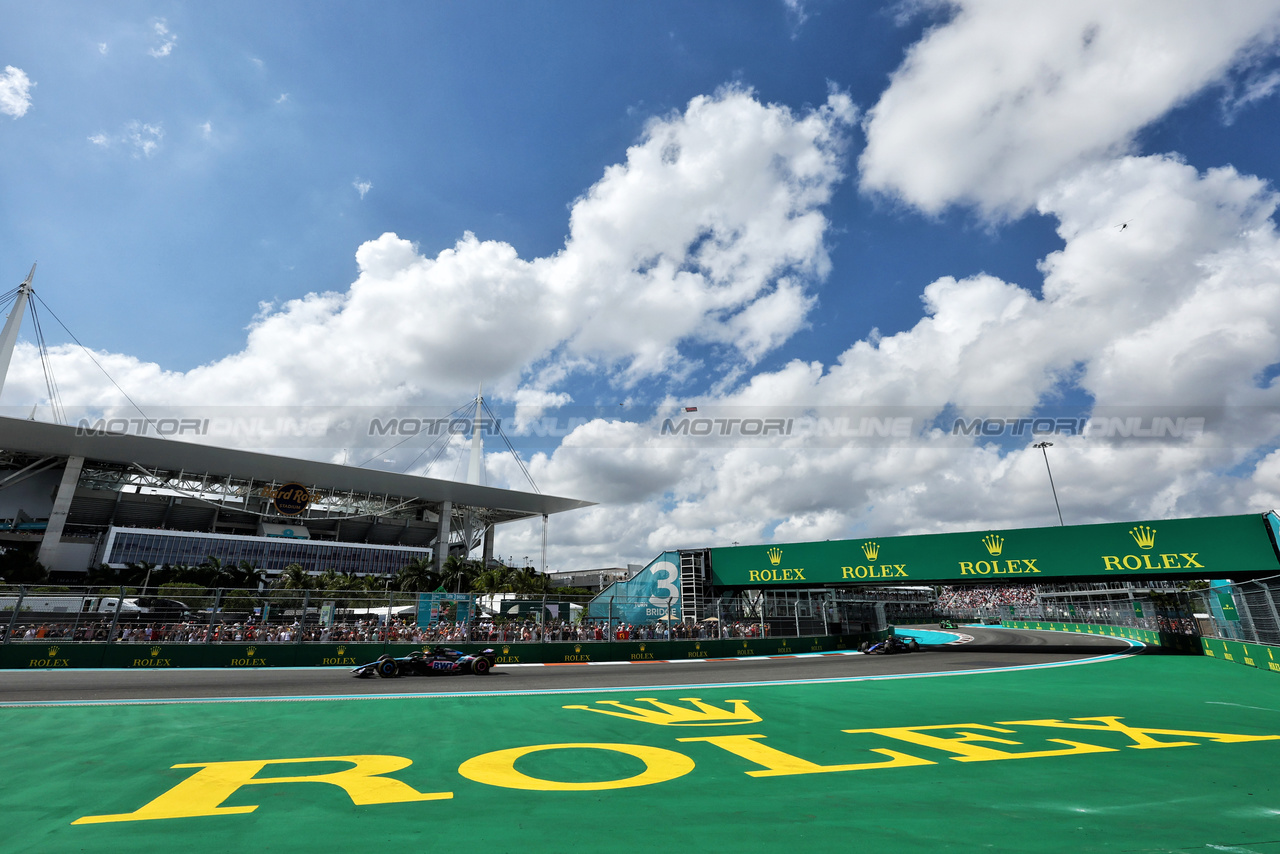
152	482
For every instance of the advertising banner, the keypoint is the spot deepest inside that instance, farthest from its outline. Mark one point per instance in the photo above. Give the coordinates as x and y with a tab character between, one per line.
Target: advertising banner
453	607
1221	546
652	596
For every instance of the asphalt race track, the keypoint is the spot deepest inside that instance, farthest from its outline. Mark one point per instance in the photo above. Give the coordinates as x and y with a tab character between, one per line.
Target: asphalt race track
989	649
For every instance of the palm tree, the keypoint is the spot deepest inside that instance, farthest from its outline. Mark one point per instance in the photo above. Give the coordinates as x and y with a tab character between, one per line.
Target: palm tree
458	573
495	579
248	575
294	577
417	576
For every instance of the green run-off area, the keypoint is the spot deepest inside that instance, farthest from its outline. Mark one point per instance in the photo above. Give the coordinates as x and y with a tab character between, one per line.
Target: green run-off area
994	761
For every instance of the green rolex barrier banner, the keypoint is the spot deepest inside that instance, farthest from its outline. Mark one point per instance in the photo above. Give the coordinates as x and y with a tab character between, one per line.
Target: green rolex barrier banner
1218	545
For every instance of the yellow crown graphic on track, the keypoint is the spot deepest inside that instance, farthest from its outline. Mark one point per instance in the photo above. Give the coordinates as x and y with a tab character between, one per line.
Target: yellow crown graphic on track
1145	537
871	550
775	555
665	714
993	543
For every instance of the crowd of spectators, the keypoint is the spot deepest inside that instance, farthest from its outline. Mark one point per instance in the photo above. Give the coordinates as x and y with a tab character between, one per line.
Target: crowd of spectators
374	631
978	598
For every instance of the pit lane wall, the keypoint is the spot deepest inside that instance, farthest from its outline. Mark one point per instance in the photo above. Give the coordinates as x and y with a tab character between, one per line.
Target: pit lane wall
1164	641
28	655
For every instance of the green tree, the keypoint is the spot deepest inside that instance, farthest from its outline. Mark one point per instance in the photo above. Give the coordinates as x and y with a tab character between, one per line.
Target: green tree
294	577
417	576
458	573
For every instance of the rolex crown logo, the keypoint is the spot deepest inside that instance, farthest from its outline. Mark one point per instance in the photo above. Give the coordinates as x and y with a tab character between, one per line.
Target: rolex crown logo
994	544
666	714
155	650
250	650
53	650
642	647
871	550
506	650
775	555
1144	536
341	650
577	647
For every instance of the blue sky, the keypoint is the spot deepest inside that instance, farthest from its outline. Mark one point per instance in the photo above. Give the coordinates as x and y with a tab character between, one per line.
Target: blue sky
792	207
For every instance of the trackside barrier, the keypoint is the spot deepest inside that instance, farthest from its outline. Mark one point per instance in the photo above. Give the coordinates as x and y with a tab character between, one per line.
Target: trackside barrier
28	654
1261	656
1164	641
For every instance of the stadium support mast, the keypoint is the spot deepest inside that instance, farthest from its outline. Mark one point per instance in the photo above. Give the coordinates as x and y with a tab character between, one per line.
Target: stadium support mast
9	337
477	441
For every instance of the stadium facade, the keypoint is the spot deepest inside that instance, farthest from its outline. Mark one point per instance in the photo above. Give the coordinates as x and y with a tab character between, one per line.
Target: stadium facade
85	498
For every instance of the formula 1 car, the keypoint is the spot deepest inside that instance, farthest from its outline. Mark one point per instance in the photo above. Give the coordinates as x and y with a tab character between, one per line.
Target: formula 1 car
438	661
890	646
947	624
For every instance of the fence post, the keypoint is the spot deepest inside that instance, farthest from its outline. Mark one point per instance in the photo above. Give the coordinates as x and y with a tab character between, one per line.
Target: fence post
115	621
213	615
22	592
302	619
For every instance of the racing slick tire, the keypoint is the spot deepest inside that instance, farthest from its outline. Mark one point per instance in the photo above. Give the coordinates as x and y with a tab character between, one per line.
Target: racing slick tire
480	666
913	645
864	646
388	667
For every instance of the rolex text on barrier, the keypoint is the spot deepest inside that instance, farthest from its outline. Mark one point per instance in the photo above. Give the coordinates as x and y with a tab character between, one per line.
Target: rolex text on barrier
1206	547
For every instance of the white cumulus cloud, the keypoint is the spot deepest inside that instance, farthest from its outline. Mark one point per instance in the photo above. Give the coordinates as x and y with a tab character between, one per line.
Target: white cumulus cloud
15	92
710	231
1008	97
165	40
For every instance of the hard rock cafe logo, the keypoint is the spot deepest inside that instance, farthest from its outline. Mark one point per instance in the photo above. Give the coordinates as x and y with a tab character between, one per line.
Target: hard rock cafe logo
871	550
667	714
994	544
290	499
775	555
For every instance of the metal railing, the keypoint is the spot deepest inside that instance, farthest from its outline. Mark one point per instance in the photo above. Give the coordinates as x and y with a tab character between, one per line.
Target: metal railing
1246	611
197	615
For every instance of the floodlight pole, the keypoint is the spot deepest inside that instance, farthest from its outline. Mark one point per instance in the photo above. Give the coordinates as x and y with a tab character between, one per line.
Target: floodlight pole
1042	446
